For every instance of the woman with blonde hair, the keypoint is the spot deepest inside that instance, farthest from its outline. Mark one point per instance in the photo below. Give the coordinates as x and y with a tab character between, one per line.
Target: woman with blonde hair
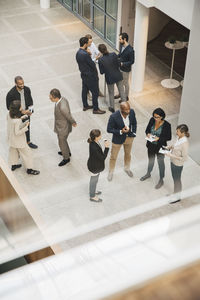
17	139
178	155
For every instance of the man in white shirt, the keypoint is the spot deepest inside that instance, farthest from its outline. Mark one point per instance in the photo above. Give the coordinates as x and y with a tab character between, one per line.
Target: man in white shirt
123	125
95	54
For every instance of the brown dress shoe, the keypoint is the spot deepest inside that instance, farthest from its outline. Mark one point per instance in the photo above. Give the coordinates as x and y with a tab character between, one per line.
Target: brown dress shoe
99	112
87	107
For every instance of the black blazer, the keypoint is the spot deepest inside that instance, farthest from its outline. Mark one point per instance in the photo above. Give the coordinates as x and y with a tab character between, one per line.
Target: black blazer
13	94
115	124
165	135
109	64
96	161
86	65
127	57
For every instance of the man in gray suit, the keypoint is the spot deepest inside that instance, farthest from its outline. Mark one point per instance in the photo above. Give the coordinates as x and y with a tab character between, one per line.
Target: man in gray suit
63	124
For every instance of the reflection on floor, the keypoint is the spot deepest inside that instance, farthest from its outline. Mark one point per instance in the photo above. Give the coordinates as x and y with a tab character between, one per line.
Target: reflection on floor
40	45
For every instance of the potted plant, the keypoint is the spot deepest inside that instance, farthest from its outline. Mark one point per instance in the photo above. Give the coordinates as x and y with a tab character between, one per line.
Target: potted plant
184	39
172	40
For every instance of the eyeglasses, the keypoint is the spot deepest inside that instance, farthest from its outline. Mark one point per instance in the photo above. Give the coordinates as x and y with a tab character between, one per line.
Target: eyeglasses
157	117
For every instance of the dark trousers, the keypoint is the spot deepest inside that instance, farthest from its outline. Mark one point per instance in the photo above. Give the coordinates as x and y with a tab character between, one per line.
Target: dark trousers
93	184
176	174
28	131
152	153
90	84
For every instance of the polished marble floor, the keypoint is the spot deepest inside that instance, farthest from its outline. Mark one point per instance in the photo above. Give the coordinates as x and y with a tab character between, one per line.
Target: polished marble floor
40	45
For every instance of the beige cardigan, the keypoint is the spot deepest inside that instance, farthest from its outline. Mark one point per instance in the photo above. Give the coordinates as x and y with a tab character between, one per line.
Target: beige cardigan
16	132
179	152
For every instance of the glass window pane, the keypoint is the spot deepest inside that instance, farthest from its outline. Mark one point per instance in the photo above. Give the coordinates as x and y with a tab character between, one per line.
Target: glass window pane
111	8
74	6
100	3
110	30
68	3
99	20
86	10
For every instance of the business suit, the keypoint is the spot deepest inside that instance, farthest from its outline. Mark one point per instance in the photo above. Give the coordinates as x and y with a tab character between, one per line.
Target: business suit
127	58
16	130
115	125
89	75
153	149
96	164
63	125
13	94
109	65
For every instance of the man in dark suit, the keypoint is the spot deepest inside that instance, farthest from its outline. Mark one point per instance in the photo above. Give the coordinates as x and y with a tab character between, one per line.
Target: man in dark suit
123	125
109	65
63	124
89	75
22	93
127	59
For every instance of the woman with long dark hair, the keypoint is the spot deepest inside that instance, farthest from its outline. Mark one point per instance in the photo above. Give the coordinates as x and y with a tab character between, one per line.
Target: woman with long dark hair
96	162
178	155
158	132
109	65
17	139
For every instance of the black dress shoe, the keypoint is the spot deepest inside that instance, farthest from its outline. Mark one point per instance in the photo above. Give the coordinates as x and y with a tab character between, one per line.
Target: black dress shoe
60	153
111	109
145	177
64	162
175	201
94	200
14	167
32	172
99	112
33	146
87	107
159	184
98	193
117	96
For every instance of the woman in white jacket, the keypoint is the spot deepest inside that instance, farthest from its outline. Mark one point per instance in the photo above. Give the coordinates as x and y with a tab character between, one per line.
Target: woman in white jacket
17	139
178	155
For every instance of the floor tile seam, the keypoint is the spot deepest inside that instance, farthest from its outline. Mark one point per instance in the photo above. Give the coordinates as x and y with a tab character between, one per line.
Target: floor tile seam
34	8
112	219
48	26
32	50
166	66
29	83
5	76
24	42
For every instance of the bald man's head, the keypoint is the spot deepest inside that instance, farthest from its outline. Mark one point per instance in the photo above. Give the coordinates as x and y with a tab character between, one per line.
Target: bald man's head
125	108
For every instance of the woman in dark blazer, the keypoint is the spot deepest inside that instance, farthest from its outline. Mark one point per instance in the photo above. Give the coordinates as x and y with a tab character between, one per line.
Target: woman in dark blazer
160	130
109	65
96	162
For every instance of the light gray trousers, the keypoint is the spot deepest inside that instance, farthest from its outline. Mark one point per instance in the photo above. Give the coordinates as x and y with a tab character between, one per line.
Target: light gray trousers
126	83
111	93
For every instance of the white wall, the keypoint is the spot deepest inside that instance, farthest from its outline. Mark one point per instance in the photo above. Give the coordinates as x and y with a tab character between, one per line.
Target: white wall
179	10
157	20
190	102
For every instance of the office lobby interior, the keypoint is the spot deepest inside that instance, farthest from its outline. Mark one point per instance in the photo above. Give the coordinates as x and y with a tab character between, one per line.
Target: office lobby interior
54	242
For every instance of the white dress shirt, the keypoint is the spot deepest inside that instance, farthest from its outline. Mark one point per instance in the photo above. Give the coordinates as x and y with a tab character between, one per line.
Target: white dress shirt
94	51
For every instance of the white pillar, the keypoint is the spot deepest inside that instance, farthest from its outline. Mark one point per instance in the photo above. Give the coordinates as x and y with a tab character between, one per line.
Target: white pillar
45	3
140	46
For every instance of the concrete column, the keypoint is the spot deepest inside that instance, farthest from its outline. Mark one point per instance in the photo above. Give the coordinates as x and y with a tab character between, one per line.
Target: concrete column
45	3
190	104
140	46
